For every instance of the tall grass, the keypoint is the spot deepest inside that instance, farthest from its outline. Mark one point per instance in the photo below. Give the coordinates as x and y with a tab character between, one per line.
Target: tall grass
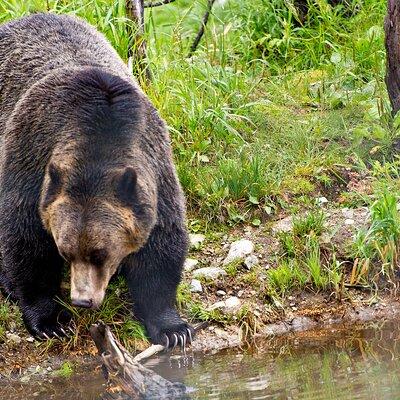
268	106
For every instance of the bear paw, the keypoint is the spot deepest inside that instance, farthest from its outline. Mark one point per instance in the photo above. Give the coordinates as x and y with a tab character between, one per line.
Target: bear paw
170	332
44	326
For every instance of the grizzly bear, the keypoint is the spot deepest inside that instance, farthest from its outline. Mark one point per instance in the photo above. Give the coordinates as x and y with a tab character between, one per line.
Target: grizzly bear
86	178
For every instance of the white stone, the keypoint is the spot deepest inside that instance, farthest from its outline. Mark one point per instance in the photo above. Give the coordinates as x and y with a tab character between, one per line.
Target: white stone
195	286
230	306
284	225
190	264
322	200
209	272
239	249
349	221
250	261
12	337
196	239
348	213
221	293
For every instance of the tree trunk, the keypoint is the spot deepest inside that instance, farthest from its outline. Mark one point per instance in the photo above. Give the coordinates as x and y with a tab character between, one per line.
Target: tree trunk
392	43
137	48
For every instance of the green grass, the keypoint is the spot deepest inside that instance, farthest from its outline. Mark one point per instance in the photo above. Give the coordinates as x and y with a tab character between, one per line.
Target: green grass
379	244
267	109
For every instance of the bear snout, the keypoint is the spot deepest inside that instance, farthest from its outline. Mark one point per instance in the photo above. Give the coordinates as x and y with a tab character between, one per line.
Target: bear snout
82	303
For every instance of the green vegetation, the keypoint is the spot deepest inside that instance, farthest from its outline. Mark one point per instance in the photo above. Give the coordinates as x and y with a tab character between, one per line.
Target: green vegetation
65	371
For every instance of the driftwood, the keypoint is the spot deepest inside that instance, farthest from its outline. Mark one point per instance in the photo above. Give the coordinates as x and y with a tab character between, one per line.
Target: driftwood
128	378
392	43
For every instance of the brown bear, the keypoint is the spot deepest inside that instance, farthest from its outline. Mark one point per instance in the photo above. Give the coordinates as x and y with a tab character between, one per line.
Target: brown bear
86	177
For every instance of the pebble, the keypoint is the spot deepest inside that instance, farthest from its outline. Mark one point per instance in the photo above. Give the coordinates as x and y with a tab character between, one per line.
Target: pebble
284	225
349	221
12	337
221	293
250	261
239	249
229	306
195	286
348	213
209	272
190	264
322	200
196	239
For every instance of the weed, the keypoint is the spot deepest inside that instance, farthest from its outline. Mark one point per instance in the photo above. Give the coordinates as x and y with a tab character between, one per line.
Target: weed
65	371
380	242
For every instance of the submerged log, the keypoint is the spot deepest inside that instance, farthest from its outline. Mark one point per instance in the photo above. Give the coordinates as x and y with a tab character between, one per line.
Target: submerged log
392	43
128	378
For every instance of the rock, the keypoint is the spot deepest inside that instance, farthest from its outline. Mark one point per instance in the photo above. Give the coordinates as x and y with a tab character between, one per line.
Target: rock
349	221
250	261
30	339
13	338
209	272
221	293
195	286
196	239
229	306
284	225
190	264
348	213
238	250
322	200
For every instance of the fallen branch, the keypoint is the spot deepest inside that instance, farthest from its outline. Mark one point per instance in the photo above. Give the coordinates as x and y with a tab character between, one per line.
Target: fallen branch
158	3
200	34
126	375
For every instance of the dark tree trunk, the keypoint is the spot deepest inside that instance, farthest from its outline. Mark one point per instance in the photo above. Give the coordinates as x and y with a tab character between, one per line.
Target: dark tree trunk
392	42
138	47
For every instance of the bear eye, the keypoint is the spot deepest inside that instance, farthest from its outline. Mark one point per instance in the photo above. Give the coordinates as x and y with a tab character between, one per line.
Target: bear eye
98	257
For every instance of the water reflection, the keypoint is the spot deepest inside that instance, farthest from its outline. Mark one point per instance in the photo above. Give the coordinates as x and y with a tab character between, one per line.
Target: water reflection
345	363
360	363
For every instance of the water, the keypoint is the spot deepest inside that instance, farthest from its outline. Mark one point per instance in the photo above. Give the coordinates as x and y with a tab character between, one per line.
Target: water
356	363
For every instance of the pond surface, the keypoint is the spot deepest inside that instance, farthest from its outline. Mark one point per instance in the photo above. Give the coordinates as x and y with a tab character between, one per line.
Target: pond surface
342	363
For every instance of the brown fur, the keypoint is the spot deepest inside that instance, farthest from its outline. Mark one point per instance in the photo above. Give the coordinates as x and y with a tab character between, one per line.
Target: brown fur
86	174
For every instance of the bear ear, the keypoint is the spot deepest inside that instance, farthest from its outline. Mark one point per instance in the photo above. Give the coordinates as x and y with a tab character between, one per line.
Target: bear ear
126	185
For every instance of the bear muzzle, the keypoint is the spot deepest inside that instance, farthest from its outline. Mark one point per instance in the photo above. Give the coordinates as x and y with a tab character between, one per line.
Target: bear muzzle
88	286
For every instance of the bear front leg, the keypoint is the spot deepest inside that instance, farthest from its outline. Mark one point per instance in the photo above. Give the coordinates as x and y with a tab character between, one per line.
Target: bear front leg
33	270
153	275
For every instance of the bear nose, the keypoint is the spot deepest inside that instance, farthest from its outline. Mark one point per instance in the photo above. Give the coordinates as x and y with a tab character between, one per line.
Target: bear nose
82	303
